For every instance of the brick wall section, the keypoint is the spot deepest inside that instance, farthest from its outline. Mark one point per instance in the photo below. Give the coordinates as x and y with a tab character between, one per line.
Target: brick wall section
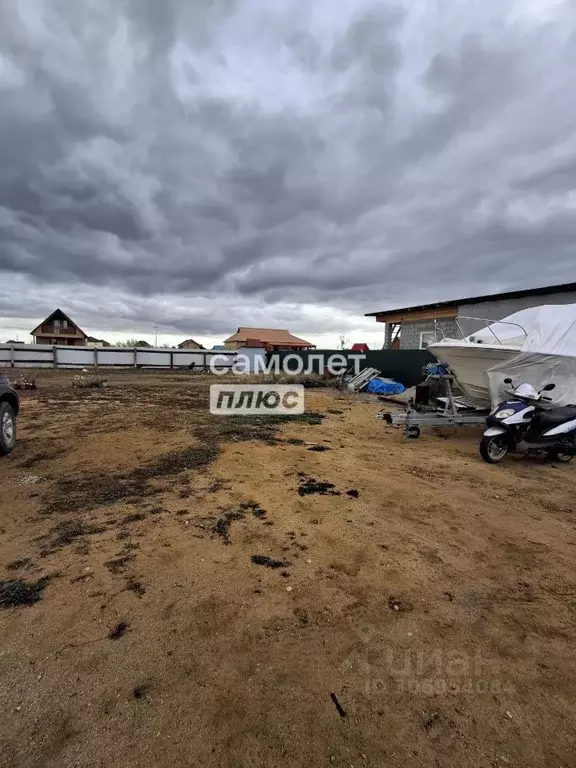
410	336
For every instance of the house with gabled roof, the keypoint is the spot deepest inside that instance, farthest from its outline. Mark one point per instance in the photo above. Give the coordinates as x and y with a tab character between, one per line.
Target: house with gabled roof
273	339
92	341
190	344
59	328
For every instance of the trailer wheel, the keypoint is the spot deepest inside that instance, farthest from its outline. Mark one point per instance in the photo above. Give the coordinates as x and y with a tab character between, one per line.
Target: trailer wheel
413	432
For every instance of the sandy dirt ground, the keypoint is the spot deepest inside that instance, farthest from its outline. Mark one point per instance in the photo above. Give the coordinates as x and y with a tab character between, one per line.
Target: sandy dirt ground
194	606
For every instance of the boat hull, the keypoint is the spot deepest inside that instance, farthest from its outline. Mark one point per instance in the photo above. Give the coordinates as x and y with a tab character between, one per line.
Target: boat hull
469	363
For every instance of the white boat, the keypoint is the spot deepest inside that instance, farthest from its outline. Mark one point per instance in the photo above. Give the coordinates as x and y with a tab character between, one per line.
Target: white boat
536	346
470	357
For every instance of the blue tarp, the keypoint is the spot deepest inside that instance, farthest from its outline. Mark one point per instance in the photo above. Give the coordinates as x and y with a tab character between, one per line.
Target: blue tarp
385	387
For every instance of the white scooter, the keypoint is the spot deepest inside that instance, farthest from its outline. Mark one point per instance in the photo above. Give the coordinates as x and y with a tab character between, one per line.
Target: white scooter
523	424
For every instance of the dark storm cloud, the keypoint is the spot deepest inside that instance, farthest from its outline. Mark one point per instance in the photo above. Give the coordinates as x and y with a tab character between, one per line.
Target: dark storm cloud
386	154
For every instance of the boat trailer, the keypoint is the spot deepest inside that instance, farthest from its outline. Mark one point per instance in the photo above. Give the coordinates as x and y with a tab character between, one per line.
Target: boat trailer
453	411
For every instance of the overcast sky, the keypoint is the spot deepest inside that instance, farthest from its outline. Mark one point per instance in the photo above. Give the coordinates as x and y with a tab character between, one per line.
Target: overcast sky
209	164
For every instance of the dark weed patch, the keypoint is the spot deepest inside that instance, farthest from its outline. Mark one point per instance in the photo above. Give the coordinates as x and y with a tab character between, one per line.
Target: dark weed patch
16	592
118	631
268	562
68	531
136	517
176	461
309	485
254	508
133	585
312	418
100	490
18	565
261	428
119	564
141	690
222	525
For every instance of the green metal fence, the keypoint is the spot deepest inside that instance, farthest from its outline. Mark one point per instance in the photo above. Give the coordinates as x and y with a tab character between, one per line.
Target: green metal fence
403	365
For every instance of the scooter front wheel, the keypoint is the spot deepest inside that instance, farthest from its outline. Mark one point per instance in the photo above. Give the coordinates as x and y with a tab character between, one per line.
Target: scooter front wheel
493	449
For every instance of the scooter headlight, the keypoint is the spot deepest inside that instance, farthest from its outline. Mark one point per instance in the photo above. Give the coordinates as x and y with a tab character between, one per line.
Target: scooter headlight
505	413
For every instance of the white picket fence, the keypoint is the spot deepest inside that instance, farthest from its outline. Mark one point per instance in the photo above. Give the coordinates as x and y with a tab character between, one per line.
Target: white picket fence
46	356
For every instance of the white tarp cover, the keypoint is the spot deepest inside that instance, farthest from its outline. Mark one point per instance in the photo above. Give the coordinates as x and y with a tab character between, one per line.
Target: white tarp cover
547	354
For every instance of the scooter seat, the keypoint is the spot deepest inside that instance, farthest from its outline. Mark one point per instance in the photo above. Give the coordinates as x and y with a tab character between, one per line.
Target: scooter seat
553	417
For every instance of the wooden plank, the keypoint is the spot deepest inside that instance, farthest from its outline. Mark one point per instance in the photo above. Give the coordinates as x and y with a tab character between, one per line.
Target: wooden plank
414	316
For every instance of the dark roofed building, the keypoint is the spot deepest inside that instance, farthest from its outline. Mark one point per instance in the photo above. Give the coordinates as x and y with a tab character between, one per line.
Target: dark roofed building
417	326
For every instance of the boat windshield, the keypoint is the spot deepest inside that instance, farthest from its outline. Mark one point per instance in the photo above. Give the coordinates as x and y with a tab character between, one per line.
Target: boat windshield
478	330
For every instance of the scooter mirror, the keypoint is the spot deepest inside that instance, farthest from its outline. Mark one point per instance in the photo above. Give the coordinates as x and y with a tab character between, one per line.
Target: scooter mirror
549	387
507	381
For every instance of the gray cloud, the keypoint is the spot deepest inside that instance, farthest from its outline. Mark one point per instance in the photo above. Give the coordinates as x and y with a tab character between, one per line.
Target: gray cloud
271	157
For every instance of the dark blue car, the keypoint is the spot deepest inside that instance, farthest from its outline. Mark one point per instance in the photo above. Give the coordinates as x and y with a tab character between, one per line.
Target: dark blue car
9	406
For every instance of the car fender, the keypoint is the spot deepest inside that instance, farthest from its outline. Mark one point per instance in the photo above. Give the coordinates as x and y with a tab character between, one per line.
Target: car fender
12	399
